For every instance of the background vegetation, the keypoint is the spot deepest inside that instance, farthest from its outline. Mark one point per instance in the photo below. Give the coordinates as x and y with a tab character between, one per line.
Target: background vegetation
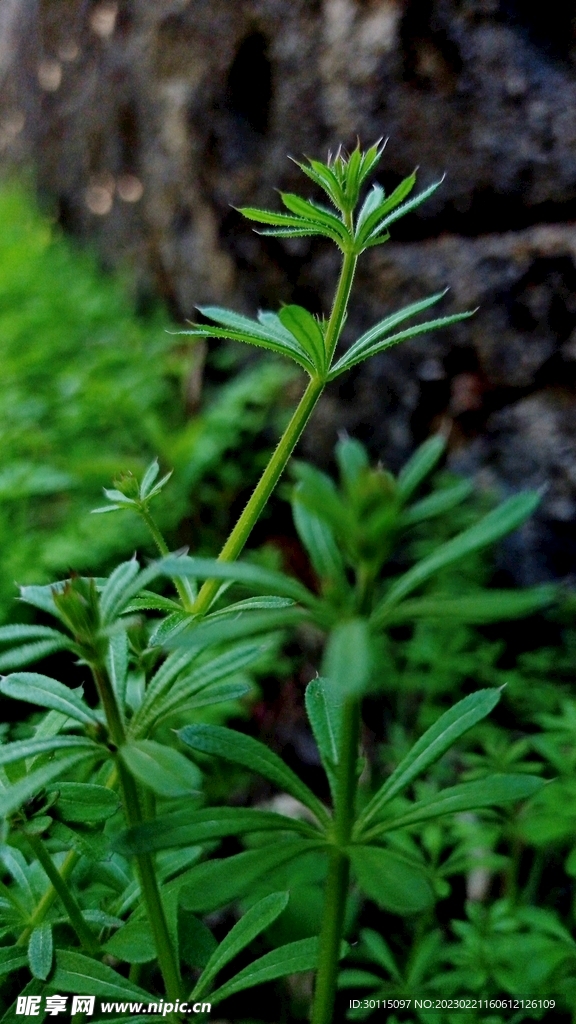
94	389
90	389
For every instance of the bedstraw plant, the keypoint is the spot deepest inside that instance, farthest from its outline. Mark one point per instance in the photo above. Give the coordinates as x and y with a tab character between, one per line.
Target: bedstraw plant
110	783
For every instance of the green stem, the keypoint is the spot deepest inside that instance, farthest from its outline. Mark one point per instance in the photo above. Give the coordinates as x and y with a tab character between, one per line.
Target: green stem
46	901
336	891
340	304
146	871
68	865
84	933
263	490
151	892
185	592
288	442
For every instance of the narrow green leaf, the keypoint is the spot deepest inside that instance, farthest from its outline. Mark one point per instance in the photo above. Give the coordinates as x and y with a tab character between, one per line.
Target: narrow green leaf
266	329
11	752
164	676
148	601
27	653
500	521
292	958
420	465
217	882
372	203
184	828
354	356
85	802
16	865
41	951
83	976
250	753
254	921
149	477
380	952
162	769
158	703
20	792
367	340
253	577
348	658
324	177
491	791
324	709
221	667
42	597
21	631
12	958
477	609
352	459
160	485
303	232
319	542
404	208
252	604
226	628
47	693
168	628
318	493
117	664
436	504
113	495
277	219
394	883
112	595
285	223
219	693
435	742
372	214
307	331
311	211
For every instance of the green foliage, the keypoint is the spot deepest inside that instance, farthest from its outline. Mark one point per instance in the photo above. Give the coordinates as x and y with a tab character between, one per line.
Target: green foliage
111	840
91	391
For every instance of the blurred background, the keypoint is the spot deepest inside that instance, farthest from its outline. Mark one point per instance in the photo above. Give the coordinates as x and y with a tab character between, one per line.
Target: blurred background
130	130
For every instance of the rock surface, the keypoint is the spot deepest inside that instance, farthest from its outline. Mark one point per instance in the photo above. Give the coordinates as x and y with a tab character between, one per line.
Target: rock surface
147	120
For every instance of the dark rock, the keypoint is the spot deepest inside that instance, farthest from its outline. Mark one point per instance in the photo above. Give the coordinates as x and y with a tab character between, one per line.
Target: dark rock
146	121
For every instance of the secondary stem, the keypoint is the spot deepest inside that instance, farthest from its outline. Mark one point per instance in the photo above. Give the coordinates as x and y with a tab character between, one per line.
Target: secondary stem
151	892
182	586
60	887
263	490
148	881
336	891
46	901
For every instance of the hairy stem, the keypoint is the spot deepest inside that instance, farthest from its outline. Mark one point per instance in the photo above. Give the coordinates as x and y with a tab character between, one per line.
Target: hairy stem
46	901
145	863
151	892
336	891
288	442
185	592
60	886
340	304
263	490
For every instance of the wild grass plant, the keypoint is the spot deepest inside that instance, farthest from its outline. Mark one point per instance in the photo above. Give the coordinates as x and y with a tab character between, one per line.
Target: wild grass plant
124	873
91	389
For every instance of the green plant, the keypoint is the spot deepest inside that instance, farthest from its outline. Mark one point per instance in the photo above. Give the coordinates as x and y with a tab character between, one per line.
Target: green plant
91	389
61	782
